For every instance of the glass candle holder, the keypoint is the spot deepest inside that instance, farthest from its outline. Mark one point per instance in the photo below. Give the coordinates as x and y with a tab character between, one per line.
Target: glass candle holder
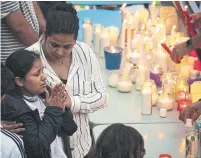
168	83
181	87
152	84
166	101
156	74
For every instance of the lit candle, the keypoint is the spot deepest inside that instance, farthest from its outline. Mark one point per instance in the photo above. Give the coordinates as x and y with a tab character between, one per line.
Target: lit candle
122	9
165	101
129	37
87	31
105	41
97	31
153	13
141	74
113	34
146	100
181	89
161	59
133	57
156	74
113	56
125	84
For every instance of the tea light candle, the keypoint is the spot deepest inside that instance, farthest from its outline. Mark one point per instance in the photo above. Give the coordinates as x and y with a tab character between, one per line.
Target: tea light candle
163	112
113	57
156	74
87	31
146	101
97	31
105	41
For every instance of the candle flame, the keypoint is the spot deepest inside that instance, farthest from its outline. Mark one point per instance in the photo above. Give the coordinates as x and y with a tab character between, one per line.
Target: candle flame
124	5
186	7
112	49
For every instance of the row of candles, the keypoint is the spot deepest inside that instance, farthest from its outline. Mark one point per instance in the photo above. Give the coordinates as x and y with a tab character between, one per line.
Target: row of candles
139	56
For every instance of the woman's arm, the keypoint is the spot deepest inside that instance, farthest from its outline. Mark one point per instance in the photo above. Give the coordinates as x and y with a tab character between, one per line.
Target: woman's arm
40	17
97	98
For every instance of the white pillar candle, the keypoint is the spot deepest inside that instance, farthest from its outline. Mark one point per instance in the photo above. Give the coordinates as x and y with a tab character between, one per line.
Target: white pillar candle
97	31
129	37
87	31
153	12
113	34
161	58
136	21
146	101
105	41
141	77
123	34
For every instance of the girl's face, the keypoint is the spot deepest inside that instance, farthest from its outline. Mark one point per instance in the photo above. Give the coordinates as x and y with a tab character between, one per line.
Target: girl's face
34	82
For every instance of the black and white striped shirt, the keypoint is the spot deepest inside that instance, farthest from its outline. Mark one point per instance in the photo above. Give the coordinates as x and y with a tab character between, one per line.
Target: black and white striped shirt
9	42
86	88
11	145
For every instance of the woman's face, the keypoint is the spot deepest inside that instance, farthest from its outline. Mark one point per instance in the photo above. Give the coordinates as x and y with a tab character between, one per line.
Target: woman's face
58	46
34	82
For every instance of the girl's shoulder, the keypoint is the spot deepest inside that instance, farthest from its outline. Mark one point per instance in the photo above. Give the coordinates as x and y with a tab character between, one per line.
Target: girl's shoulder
13	106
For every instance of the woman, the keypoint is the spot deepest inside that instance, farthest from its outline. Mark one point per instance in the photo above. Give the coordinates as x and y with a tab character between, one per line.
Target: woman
118	141
74	63
45	127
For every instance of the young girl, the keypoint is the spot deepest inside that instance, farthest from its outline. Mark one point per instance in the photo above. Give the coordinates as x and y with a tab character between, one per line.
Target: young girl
118	141
46	125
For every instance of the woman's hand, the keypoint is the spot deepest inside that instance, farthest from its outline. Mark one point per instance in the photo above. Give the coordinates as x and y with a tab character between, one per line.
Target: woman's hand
196	20
58	96
193	112
179	51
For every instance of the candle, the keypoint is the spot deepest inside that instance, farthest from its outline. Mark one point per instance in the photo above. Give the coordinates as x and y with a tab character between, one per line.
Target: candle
113	56
146	100
165	156
136	21
133	73
141	74
165	101
123	33
135	43
133	57
188	22
97	31
153	12
122	9
87	31
163	112
154	98
161	59
156	74
129	37
113	34
181	89
105	41
113	79
125	84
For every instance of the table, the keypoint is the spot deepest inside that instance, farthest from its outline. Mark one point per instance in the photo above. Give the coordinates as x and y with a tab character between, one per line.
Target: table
108	2
126	108
159	138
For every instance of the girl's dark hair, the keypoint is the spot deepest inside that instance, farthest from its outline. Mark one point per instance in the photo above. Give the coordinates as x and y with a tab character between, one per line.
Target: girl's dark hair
62	19
21	61
118	141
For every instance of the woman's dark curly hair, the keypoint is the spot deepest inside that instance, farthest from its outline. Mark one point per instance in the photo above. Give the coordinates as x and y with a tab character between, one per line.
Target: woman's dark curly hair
118	141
